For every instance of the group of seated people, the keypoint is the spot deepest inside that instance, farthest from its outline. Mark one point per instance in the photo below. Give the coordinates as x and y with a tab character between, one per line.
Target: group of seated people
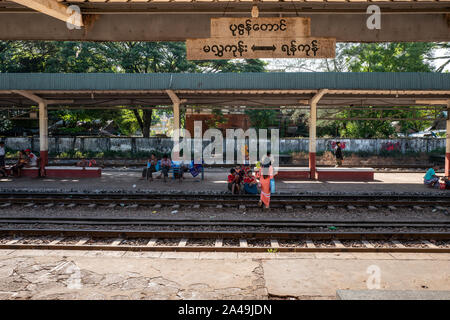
242	180
26	159
434	181
164	165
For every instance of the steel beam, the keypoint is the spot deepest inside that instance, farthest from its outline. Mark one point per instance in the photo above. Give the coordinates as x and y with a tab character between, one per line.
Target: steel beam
179	27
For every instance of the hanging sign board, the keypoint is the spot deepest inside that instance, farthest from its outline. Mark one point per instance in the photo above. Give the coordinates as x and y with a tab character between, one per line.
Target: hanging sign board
250	48
260	27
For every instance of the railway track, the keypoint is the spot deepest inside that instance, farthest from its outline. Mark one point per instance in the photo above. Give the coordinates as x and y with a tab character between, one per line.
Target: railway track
277	200
224	241
237	223
63	235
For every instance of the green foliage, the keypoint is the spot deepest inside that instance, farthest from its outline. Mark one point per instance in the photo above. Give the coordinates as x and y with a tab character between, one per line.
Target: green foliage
262	119
390	57
75	154
130	57
217	119
382	57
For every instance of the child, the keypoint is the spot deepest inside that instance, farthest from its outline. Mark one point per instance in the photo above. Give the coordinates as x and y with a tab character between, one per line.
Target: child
250	185
264	180
233	182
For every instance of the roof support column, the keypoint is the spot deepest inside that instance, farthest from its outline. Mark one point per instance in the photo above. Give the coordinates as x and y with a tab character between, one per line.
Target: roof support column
447	142
176	120
43	124
43	135
312	132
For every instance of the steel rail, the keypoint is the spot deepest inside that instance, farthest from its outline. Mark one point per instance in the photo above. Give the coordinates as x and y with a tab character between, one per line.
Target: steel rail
218	249
283	223
229	202
122	235
73	195
130	234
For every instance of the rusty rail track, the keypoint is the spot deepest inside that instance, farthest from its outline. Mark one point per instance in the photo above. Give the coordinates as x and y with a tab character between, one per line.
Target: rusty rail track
137	196
228	200
242	223
182	239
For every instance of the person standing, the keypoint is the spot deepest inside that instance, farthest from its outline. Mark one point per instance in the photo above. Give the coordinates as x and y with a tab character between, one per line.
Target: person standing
264	180
2	159
147	173
338	154
267	160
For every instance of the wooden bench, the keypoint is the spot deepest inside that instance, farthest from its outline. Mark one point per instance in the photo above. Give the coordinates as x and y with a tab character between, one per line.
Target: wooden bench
72	172
293	173
345	174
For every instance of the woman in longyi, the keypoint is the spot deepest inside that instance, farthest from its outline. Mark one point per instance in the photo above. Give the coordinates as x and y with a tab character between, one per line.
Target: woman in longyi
266	174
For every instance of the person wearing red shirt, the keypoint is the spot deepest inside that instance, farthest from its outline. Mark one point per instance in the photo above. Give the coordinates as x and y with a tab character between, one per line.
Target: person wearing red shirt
233	182
250	184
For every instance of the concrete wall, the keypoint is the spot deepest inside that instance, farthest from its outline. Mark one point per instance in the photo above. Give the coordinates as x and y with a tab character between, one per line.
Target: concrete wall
164	145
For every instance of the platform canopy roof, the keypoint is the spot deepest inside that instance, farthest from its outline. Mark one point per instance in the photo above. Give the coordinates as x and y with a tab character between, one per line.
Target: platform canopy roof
177	20
91	90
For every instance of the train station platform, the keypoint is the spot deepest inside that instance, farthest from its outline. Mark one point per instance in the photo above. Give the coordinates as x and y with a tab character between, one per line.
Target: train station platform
392	295
115	180
121	275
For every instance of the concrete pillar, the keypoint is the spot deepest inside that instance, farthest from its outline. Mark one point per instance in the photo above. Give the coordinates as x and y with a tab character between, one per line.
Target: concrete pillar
176	129
312	139
176	116
447	142
43	135
312	132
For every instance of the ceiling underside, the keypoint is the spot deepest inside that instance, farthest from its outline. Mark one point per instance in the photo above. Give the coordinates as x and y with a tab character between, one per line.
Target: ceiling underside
93	99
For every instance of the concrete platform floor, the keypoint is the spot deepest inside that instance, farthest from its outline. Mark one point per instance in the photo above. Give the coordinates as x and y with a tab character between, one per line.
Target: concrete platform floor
215	180
43	274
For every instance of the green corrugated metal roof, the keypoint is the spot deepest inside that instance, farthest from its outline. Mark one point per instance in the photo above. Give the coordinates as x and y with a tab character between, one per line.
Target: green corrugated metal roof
218	81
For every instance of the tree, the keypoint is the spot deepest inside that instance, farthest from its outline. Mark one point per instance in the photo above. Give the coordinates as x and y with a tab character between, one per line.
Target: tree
382	57
128	57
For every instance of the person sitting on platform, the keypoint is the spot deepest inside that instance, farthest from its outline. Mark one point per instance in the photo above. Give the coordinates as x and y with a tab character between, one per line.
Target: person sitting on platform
431	179
147	173
2	159
338	154
33	160
233	182
446	181
21	162
250	184
166	163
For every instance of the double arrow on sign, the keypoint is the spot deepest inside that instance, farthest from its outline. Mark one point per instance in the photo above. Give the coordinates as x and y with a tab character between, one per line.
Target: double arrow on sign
266	48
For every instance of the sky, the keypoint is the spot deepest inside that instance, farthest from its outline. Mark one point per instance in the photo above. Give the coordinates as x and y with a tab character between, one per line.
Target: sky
313	65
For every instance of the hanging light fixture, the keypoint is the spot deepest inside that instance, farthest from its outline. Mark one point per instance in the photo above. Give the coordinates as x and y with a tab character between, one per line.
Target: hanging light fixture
255	11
